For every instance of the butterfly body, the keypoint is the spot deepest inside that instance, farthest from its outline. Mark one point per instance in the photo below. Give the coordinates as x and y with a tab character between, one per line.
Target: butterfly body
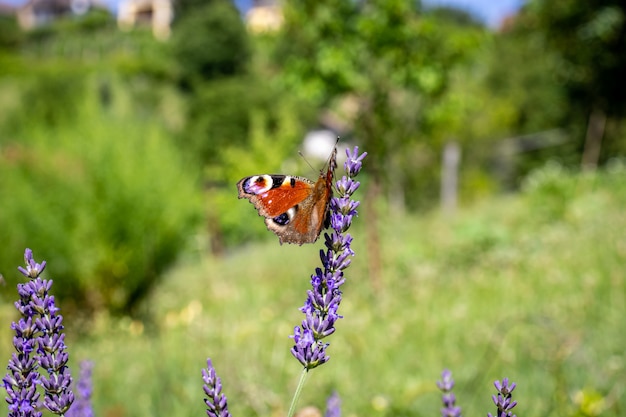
295	208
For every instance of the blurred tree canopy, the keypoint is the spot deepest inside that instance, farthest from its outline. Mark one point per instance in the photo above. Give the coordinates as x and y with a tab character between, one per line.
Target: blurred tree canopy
590	37
94	178
209	42
389	64
390	75
590	40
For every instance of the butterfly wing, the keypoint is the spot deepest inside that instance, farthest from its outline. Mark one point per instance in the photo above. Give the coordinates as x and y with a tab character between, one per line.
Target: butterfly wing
309	217
295	208
273	195
278	198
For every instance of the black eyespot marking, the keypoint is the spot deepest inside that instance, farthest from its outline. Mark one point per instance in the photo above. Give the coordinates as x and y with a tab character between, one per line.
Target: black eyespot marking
277	180
286	217
292	182
282	219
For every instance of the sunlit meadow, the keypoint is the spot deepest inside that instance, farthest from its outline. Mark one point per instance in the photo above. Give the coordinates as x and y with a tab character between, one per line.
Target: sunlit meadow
529	287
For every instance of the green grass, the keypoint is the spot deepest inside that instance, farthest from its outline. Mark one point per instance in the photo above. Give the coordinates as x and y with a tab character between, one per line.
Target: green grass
531	287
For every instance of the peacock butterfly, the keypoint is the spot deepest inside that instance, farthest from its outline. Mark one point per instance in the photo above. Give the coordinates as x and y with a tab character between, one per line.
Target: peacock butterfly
295	208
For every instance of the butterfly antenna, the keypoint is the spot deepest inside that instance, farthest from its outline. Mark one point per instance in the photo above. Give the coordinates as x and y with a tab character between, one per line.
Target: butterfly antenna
306	160
329	158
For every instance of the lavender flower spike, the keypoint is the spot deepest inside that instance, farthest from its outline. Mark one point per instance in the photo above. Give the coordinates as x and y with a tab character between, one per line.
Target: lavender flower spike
445	385
82	406
322	303
503	400
216	401
333	406
39	343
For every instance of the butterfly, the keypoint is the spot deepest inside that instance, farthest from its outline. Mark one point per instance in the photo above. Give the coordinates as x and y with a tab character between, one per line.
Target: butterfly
295	208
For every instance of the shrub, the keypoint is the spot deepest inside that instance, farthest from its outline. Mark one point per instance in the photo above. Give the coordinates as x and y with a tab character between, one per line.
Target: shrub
108	197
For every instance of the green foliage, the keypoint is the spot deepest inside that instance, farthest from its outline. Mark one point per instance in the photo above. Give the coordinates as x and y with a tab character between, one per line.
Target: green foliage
211	42
106	196
10	35
451	13
392	65
586	41
184	8
590	38
95	20
91	44
218	116
52	96
551	190
276	130
70	37
211	48
512	72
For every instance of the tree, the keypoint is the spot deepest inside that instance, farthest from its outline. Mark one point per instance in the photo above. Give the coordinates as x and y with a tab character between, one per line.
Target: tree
590	38
391	61
211	49
209	42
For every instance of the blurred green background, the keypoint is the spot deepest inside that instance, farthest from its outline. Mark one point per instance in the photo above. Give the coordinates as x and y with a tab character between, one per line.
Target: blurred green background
122	138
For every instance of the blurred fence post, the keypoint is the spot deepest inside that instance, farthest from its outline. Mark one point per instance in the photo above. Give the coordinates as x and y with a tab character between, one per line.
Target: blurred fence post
593	140
449	176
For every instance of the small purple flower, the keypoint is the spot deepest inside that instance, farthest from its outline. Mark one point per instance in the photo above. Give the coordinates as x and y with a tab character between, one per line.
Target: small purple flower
82	405
39	343
322	303
216	401
21	387
503	399
333	406
33	269
307	350
449	400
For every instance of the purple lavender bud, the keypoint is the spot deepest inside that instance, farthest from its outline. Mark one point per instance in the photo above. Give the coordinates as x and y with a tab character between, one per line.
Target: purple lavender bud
21	386
340	243
53	358
322	302
503	399
503	387
448	399
24	408
307	350
447	383
333	406
33	269
347	186
216	402
59	397
354	162
82	405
